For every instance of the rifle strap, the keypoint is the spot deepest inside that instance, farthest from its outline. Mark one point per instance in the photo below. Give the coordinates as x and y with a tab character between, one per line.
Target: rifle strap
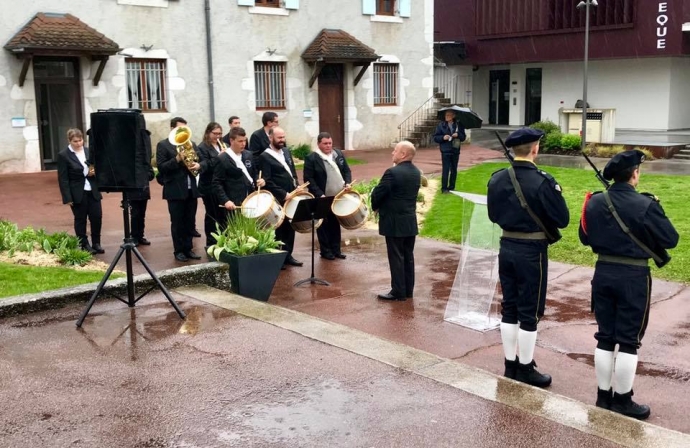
525	206
627	231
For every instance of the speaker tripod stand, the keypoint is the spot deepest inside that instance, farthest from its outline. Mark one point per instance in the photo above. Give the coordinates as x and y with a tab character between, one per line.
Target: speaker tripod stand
127	248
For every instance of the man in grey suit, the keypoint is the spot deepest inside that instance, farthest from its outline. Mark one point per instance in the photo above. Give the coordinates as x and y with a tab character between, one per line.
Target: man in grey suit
395	199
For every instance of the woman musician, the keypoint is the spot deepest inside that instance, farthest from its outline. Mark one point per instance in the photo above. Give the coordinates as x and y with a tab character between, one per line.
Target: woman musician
209	150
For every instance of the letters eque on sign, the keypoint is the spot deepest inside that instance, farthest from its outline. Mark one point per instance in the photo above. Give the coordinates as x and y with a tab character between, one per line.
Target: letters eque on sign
661	29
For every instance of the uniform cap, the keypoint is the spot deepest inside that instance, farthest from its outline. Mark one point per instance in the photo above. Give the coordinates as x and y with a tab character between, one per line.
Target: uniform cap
621	162
523	136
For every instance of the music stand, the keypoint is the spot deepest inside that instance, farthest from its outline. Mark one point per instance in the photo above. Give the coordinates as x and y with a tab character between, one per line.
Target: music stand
127	248
313	209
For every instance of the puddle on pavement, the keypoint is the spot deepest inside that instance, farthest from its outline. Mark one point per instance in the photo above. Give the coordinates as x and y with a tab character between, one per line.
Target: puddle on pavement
568	309
643	368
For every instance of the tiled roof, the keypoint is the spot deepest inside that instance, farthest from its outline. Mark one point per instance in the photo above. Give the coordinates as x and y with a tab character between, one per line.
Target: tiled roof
337	45
49	31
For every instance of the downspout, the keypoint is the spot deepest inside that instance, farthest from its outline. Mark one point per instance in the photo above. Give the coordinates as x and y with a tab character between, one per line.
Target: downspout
209	60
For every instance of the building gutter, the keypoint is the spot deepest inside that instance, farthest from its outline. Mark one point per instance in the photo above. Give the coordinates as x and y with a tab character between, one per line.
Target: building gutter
209	60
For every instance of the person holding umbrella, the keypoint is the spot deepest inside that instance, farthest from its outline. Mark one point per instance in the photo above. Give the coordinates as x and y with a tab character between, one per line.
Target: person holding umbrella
449	135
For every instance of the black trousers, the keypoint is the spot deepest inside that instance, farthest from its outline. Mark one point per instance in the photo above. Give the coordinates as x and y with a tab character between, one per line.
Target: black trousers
401	262
621	299
449	172
89	208
213	215
329	235
286	234
523	271
138	217
182	220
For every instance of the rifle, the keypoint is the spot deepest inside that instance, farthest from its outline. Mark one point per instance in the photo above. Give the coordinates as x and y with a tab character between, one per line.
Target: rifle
597	174
506	152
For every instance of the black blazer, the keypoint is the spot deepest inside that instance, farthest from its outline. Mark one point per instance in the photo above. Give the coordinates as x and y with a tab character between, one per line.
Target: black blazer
229	182
395	198
444	129
71	177
278	181
315	172
174	174
208	158
258	142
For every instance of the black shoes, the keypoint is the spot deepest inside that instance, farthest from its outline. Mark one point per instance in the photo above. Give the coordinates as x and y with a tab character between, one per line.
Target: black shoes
89	249
390	296
290	260
604	398
623	404
526	373
143	241
181	257
191	255
511	368
328	256
341	256
97	247
196	234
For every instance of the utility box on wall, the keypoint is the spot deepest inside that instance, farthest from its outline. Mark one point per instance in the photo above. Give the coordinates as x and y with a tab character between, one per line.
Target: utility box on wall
601	124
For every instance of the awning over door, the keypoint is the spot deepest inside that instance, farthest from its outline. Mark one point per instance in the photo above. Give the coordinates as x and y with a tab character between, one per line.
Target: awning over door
51	34
337	46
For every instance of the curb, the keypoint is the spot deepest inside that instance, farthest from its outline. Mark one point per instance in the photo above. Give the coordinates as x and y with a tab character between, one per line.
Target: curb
213	274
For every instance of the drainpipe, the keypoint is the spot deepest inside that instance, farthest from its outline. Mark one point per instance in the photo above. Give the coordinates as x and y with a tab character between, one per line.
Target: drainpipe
209	59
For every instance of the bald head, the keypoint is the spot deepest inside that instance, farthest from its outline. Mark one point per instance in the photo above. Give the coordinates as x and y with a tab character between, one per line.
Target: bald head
404	151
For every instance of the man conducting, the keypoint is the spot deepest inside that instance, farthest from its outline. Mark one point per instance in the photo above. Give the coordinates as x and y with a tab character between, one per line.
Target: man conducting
395	199
622	283
527	204
328	174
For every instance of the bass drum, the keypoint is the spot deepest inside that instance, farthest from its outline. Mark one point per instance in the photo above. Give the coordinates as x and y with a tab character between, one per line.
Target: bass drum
264	207
350	209
291	206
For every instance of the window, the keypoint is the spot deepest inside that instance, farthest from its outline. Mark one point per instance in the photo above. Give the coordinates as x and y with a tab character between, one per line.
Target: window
146	84
269	78
385	7
385	84
269	3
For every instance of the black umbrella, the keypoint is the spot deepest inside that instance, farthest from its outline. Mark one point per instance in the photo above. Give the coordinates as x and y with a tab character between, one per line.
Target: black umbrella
464	116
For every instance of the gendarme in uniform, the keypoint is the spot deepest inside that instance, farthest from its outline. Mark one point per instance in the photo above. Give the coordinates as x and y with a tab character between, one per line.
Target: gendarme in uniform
621	287
523	256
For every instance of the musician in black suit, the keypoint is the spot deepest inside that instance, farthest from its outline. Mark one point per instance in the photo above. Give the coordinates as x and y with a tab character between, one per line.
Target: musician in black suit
234	177
281	179
138	201
328	174
233	122
260	139
395	199
79	189
181	192
209	150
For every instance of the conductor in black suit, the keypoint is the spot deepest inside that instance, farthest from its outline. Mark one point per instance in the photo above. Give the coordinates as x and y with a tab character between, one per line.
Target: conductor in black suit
260	139
138	200
234	177
79	189
328	174
281	179
181	192
395	199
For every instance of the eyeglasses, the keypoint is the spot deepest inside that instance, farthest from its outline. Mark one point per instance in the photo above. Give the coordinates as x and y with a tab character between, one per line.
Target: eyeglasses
217	133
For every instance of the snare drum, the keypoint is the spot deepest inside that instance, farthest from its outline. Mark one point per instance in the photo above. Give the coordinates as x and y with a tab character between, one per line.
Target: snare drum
290	208
350	209
263	206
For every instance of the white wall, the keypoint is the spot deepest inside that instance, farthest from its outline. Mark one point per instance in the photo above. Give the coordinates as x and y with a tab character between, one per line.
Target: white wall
679	110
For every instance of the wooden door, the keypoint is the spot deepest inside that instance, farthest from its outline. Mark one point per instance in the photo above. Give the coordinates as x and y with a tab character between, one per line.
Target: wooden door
331	103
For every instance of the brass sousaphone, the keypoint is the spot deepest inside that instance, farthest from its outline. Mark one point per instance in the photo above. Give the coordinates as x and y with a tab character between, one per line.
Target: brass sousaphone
181	138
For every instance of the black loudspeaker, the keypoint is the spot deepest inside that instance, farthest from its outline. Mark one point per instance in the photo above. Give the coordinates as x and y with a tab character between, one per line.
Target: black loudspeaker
120	149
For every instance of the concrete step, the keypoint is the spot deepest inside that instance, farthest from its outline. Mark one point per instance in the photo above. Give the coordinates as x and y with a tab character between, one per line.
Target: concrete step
682	156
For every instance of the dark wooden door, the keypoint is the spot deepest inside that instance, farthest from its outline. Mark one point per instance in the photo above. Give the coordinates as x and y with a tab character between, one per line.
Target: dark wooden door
58	97
331	103
533	96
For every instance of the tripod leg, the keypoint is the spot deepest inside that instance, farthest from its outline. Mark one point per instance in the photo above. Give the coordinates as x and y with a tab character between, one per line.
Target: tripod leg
130	276
312	245
83	314
162	287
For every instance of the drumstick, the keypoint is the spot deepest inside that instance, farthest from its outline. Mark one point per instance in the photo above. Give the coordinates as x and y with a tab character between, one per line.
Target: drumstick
258	187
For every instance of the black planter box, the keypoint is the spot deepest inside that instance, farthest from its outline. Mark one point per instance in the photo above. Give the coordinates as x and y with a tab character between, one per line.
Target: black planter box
254	276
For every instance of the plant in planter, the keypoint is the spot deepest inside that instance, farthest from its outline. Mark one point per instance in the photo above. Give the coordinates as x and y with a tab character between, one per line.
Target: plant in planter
252	253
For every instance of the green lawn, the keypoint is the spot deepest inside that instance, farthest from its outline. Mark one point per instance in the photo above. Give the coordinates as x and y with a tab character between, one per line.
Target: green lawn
444	220
16	279
353	162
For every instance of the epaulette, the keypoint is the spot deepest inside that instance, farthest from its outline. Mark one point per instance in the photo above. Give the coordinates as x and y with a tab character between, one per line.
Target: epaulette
497	171
545	174
596	192
651	196
551	179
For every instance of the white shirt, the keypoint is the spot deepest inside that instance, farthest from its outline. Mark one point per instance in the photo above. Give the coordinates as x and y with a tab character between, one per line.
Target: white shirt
81	155
238	161
280	157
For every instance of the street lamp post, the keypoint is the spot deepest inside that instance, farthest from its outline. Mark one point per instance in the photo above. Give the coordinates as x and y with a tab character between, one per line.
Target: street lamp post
585	4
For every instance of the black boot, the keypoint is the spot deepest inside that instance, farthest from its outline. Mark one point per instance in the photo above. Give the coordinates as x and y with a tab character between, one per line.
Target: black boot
511	368
604	398
526	373
623	404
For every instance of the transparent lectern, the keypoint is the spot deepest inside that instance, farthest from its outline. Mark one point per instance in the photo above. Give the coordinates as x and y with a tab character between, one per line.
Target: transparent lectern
474	287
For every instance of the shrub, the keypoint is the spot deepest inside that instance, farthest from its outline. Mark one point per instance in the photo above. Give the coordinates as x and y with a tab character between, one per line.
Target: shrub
647	153
71	256
552	141
547	126
300	151
570	142
243	236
